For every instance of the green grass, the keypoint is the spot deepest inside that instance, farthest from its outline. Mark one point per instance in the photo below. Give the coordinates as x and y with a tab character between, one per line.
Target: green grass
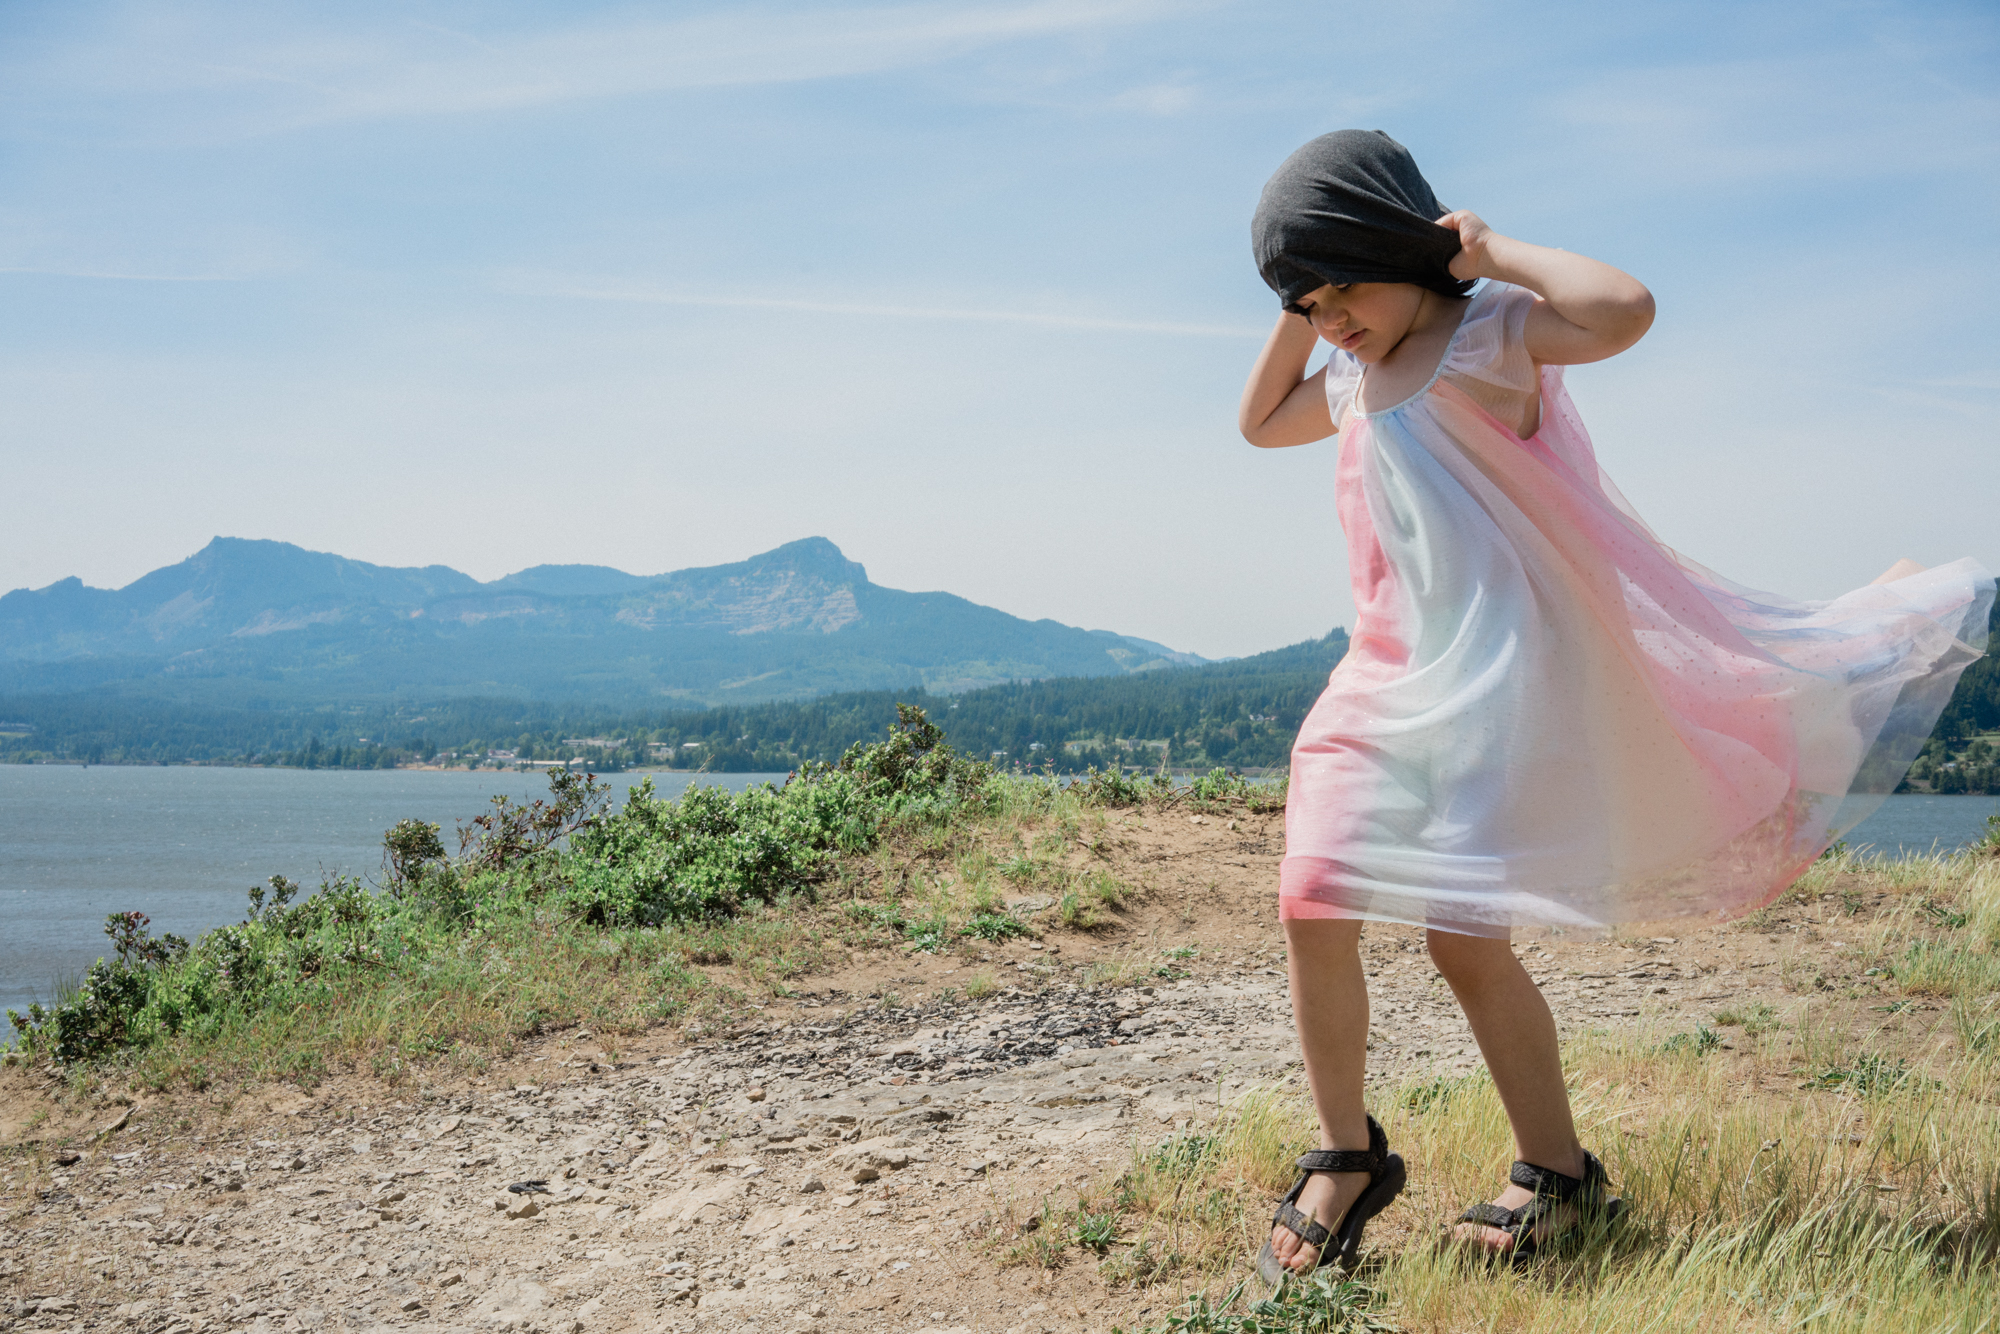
569	912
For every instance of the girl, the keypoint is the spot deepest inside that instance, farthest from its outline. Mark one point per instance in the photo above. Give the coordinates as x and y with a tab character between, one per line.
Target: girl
1545	716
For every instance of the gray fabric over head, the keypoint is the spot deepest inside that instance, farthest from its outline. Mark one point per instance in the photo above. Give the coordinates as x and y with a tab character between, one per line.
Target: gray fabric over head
1351	207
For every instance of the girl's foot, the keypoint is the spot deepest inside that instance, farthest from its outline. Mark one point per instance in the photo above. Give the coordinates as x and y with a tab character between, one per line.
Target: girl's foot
1326	1199
1538	1206
1553	1219
1320	1220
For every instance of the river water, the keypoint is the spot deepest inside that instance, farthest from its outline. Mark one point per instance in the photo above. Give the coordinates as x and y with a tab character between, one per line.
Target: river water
182	845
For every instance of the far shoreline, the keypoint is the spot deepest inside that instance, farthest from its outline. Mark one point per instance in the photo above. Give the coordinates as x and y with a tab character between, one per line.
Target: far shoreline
336	769
1253	772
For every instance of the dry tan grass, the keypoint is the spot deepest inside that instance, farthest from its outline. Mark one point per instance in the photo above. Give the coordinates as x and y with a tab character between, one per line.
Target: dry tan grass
1823	1177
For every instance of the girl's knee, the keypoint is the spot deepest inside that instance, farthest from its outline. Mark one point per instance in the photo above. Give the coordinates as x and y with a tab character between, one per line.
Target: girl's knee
1456	953
1318	935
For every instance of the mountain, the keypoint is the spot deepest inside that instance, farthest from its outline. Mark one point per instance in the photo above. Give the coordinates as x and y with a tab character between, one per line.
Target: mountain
271	624
572	580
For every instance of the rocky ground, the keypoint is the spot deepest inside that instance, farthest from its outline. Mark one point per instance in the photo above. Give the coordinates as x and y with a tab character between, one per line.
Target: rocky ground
838	1164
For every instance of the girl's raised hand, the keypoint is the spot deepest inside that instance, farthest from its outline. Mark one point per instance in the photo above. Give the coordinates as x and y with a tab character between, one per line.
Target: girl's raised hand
1588	311
1473	234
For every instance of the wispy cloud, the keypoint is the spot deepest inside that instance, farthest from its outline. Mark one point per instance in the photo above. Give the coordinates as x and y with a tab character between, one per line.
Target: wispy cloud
292	79
884	310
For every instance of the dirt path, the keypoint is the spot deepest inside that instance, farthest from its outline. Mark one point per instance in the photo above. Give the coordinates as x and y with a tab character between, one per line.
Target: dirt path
837	1164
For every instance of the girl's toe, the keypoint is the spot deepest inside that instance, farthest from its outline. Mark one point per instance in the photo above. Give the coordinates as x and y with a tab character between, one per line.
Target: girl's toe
1490	1238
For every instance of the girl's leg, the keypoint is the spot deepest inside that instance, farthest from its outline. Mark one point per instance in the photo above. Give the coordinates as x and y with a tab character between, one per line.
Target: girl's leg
1330	1008
1517	1036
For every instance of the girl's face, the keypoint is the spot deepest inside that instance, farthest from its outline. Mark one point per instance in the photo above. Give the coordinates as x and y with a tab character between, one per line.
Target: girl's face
1365	319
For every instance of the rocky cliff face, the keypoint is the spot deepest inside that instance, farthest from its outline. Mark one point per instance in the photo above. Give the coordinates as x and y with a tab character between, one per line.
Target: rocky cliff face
801	586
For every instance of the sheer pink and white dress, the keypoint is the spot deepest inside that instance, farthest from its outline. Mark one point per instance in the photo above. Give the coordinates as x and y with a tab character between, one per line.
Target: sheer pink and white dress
1548	717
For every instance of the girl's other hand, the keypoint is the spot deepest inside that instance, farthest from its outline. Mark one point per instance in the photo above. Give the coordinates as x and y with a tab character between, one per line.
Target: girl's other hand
1473	236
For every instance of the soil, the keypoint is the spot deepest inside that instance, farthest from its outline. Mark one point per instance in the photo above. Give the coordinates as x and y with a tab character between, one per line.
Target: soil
855	1157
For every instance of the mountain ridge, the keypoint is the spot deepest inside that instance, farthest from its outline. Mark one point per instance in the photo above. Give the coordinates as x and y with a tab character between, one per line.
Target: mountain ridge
286	624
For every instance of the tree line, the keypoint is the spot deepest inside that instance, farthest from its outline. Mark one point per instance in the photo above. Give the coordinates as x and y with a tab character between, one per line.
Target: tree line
1240	715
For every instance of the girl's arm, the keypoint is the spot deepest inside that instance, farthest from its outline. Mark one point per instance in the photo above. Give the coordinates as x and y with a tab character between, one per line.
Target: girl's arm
1588	311
1280	407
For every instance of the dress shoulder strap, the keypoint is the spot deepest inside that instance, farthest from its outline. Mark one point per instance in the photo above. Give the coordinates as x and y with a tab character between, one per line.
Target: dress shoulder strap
1491	345
1489	358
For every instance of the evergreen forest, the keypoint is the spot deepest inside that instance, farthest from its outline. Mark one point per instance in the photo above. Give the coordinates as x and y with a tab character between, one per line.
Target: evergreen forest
1240	714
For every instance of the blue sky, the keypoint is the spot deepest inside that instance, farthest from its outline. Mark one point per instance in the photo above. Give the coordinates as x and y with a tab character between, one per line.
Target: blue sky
965	288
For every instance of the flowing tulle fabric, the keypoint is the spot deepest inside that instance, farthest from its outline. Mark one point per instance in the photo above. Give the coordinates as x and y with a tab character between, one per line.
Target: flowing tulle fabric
1548	717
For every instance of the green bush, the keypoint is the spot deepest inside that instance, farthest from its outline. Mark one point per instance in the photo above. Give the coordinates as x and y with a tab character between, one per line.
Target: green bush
510	834
1115	787
707	855
409	850
98	1017
914	771
1218	785
711	854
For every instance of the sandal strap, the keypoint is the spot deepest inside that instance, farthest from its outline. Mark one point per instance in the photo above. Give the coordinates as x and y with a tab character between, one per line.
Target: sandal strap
1369	1160
1491	1215
1552	1190
1308	1231
1549	1184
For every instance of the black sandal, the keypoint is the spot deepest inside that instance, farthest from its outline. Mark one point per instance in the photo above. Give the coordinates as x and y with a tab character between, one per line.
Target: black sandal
1551	1190
1385	1181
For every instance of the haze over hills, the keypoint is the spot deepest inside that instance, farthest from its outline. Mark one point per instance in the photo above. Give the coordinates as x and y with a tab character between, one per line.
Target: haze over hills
271	624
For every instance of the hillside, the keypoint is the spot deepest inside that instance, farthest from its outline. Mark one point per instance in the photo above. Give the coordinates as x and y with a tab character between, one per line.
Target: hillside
1241	714
267	625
